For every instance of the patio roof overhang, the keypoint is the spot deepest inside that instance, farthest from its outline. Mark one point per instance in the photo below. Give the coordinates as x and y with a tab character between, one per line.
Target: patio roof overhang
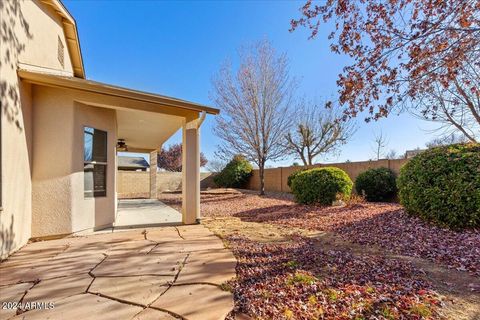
145	120
111	90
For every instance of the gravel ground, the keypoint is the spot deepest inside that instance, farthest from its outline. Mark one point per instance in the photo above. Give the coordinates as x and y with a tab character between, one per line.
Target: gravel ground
361	261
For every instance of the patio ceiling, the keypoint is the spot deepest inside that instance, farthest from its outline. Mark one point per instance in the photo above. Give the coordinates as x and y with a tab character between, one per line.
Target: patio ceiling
145	130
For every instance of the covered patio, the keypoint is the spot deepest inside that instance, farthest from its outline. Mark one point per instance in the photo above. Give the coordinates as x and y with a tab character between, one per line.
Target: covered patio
88	123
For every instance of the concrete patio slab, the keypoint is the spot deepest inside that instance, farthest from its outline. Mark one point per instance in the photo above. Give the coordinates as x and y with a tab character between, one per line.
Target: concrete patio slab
127	247
145	212
57	289
122	275
141	290
12	293
42	250
56	267
140	264
163	234
212	267
193	232
85	307
186	246
201	244
112	236
196	302
152	314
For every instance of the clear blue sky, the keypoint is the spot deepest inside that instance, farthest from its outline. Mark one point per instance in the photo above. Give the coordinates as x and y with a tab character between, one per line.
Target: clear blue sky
174	48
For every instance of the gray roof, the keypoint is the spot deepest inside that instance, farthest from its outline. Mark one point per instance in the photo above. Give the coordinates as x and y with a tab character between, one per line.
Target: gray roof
132	162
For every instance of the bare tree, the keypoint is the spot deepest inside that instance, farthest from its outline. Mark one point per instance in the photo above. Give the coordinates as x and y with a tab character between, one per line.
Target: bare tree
393	154
380	142
317	132
255	104
446	140
215	165
454	105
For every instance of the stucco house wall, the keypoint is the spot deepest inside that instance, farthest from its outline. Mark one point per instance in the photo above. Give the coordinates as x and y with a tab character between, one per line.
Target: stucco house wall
41	40
29	37
42	128
59	206
99	212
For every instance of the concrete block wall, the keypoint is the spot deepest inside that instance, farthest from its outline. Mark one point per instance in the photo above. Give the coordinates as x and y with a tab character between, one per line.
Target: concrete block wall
133	184
276	178
136	184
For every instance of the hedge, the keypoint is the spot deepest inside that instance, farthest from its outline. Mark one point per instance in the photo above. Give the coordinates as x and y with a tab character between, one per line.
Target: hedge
443	185
377	184
292	176
235	174
321	186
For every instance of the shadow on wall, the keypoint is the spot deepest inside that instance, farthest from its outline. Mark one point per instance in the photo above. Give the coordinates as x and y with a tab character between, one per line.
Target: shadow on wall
10	49
7	237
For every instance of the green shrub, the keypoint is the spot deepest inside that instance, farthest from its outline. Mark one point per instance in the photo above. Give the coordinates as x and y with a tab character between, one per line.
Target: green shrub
443	185
235	174
376	184
321	185
292	176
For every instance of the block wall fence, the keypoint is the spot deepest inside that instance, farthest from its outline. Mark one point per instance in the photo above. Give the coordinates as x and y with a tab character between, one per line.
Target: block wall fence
276	178
136	184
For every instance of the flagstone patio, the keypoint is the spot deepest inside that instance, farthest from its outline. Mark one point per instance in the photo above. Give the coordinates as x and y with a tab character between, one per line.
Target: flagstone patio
154	273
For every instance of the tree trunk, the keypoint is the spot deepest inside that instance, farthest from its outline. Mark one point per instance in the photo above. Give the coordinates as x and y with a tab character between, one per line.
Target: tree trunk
305	163
261	171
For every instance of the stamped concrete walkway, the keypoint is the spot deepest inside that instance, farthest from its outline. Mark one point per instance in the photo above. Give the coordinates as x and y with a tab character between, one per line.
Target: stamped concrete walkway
142	274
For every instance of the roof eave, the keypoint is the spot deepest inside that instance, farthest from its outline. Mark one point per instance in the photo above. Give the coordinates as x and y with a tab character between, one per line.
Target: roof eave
102	88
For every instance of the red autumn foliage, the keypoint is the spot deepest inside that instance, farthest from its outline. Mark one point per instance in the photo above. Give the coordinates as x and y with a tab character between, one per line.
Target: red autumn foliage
302	280
402	50
385	225
170	159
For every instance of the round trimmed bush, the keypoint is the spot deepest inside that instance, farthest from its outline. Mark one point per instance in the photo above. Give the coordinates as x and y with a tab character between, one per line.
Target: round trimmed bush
376	184
235	174
443	185
321	185
292	176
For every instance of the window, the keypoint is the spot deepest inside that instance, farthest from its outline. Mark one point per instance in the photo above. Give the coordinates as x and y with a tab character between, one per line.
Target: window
95	162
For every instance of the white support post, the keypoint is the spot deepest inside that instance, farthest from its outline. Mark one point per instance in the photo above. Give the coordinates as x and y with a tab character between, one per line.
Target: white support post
190	172
153	174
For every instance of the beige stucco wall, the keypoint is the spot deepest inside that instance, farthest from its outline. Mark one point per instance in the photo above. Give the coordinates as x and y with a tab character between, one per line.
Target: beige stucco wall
40	34
15	215
28	39
59	206
100	211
